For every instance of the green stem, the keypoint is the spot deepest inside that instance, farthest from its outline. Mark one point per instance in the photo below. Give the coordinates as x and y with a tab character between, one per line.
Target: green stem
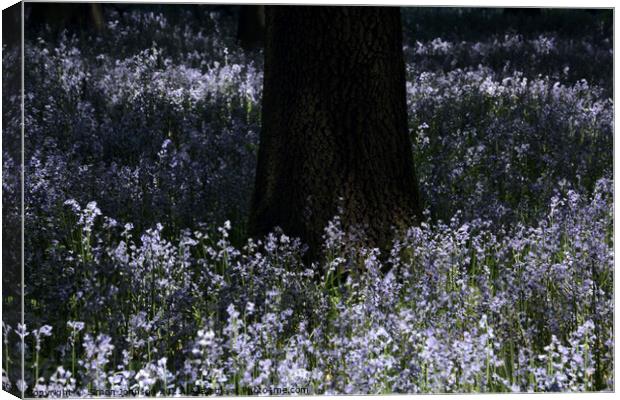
73	358
6	368
36	367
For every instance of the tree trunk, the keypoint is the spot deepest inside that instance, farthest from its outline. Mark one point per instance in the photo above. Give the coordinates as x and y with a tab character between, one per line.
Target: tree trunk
334	132
251	26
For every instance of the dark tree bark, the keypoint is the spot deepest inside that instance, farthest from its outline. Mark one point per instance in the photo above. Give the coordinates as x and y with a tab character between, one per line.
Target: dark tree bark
334	131
251	26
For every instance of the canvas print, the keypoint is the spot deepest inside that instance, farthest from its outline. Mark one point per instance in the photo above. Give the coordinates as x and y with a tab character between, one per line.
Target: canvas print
225	199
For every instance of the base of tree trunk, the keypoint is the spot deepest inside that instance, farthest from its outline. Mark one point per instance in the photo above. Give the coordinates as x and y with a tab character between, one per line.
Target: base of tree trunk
334	138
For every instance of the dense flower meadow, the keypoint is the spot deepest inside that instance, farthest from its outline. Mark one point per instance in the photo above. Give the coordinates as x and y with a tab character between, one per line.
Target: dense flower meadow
139	163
